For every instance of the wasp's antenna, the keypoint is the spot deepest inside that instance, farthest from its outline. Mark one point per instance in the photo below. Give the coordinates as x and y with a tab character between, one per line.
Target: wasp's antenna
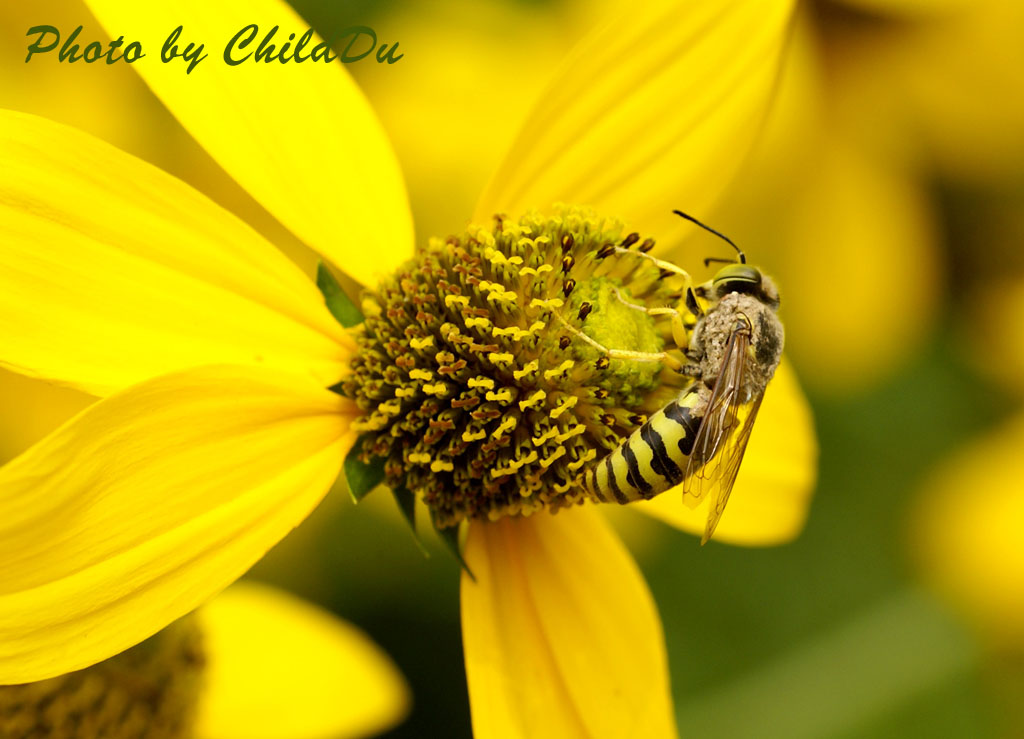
723	237
709	260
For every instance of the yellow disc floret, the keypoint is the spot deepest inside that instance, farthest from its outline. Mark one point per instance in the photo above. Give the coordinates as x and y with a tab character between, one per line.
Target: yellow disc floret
478	387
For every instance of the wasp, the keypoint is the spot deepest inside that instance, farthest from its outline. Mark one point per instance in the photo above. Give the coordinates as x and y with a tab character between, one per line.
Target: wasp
699	438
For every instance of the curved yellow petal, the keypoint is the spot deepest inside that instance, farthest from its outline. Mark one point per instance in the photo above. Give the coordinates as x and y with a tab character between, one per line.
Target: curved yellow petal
786	147
147	503
652	112
966	533
561	636
770	501
112	272
280	668
300	137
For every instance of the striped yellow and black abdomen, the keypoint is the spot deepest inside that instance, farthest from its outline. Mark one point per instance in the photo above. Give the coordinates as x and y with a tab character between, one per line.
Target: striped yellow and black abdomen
652	460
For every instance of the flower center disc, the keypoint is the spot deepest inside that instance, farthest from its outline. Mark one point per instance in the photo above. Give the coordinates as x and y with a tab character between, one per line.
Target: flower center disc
477	381
150	690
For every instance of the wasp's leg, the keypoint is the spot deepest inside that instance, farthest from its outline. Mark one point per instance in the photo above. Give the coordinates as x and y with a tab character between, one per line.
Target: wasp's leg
680	328
691	369
703	291
691	303
626	354
666	267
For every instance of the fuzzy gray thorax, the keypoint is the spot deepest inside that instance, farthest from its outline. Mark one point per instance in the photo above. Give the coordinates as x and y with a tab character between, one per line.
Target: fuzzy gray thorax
711	340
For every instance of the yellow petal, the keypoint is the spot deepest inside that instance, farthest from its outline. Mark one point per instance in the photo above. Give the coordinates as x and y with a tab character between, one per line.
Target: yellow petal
649	113
772	495
280	668
149	502
112	272
786	147
300	137
561	636
966	533
38	407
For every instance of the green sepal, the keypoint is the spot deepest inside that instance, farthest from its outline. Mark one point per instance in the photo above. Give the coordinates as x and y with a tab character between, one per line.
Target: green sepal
406	501
338	303
362	477
450	537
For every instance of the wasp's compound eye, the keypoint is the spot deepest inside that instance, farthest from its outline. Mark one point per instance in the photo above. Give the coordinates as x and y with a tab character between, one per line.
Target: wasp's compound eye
737	278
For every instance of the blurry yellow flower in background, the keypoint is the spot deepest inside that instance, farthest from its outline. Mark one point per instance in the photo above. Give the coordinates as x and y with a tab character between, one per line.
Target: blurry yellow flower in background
877	98
967	529
280	668
967	524
560	632
254	663
947	78
993	298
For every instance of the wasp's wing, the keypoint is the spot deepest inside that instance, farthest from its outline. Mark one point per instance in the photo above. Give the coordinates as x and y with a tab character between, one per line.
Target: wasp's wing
723	434
719	420
727	465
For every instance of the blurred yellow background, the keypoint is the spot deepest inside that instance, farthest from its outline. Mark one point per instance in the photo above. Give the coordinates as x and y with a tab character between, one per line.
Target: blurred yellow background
886	197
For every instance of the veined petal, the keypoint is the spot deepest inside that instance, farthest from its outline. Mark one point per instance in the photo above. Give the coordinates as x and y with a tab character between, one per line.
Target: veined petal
561	636
280	668
147	503
113	272
300	137
772	495
652	112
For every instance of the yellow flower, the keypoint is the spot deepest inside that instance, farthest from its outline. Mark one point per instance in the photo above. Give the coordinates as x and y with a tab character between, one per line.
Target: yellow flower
254	663
966	524
966	533
280	668
216	435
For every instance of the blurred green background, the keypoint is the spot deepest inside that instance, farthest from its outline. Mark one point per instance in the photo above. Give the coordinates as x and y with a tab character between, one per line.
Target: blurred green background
887	199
